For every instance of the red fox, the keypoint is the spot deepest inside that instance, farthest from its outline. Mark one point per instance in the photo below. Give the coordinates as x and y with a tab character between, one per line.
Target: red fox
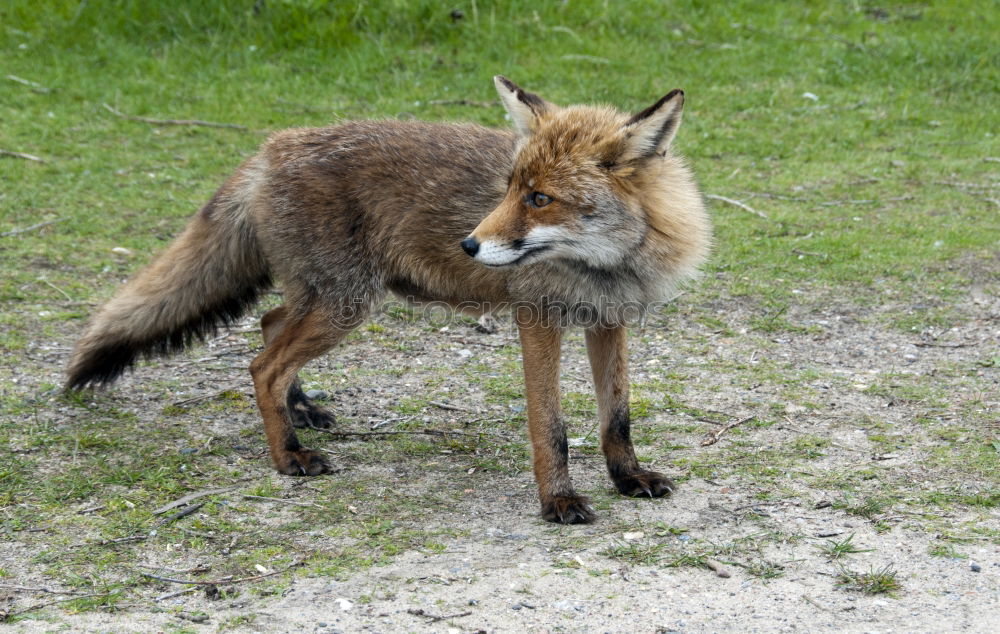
577	217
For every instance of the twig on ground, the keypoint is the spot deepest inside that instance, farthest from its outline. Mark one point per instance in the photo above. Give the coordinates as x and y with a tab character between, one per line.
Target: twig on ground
123	540
434	618
777	196
837	203
184	570
171	595
14	232
706	419
43	590
182	513
119	540
867	180
714	435
413	432
718	568
190	497
813	254
450	407
198	122
221	582
931	344
485	344
34	85
737	203
965	185
463	102
389	421
23	155
50	284
39	606
754	505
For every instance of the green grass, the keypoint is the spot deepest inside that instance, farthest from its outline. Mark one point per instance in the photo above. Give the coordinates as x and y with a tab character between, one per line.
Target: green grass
881	581
875	134
835	549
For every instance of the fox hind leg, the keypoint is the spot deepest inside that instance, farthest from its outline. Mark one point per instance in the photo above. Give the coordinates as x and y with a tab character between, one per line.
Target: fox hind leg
302	338
608	352
303	411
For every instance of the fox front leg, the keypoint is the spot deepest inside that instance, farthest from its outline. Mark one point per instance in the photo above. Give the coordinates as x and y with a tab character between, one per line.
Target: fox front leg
608	352
540	346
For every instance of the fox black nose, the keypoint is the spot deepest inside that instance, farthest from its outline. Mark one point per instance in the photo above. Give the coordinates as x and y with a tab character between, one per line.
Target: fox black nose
471	246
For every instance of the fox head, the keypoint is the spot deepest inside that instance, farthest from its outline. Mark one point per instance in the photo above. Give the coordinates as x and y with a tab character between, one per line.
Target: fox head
580	181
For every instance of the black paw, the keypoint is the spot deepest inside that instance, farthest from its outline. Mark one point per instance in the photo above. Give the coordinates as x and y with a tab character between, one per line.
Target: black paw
305	413
645	484
568	509
302	462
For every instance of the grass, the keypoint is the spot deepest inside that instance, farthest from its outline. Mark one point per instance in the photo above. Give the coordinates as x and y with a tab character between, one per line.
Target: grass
836	549
890	138
881	581
866	137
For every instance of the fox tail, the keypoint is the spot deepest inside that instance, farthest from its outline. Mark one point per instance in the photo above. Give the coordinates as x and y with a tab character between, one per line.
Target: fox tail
208	277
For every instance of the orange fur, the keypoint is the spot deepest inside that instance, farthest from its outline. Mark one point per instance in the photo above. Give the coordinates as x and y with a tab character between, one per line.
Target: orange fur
581	213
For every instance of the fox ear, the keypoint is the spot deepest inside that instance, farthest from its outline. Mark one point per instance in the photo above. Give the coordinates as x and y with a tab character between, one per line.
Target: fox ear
524	107
651	131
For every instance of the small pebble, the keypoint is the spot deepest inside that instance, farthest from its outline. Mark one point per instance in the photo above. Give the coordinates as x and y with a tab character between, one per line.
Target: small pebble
319	395
974	567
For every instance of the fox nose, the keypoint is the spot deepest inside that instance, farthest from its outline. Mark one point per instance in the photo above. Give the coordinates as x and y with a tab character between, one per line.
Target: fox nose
471	246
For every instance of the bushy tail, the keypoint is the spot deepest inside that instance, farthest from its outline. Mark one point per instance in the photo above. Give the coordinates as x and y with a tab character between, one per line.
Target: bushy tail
208	277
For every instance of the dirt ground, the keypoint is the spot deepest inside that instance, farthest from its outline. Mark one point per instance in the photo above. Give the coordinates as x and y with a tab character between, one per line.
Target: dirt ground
848	398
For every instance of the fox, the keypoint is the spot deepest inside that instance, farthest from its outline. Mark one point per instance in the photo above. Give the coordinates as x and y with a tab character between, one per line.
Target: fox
578	216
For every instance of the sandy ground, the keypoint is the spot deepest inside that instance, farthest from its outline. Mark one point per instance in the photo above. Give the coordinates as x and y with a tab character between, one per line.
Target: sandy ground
503	580
508	571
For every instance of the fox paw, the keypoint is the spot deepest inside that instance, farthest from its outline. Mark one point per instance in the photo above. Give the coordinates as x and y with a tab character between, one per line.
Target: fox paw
302	462
568	509
645	484
305	413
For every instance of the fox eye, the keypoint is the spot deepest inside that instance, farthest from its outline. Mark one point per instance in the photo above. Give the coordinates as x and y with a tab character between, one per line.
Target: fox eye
538	199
